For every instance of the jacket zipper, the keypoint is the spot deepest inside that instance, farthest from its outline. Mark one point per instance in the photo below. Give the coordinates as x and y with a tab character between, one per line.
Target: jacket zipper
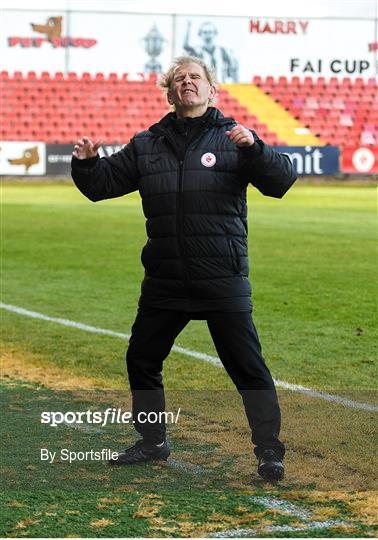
180	212
180	223
180	205
180	209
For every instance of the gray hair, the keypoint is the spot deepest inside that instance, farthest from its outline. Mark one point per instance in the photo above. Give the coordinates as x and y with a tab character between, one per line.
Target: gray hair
164	80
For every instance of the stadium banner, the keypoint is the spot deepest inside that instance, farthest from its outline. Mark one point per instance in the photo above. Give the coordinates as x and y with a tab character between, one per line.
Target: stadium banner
239	47
313	160
22	158
85	42
308	160
58	157
362	160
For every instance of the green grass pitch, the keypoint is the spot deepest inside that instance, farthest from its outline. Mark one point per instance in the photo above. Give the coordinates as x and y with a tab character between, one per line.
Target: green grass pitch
313	272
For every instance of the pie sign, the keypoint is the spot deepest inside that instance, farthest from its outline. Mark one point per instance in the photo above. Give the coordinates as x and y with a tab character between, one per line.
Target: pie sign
208	159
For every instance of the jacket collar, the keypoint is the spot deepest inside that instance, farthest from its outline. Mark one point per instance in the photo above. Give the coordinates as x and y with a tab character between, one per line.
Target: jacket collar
212	118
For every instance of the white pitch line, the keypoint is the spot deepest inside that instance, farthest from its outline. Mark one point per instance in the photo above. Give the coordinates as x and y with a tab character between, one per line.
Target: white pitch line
307	525
250	533
85	428
186	467
287	507
235	533
64	322
327	397
194	354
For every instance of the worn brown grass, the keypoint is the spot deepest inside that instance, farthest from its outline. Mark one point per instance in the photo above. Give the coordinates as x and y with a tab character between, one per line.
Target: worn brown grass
19	365
329	447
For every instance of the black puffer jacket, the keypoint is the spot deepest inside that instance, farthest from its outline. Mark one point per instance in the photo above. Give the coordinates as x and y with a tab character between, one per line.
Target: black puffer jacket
196	255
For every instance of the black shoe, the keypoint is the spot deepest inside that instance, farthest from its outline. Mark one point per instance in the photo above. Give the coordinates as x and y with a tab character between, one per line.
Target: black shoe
140	453
270	466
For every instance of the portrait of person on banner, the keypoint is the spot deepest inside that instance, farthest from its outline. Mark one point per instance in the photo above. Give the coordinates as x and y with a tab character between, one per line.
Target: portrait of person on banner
211	52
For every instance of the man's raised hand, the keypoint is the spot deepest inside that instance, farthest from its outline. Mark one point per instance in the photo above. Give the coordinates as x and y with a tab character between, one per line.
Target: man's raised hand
240	135
84	148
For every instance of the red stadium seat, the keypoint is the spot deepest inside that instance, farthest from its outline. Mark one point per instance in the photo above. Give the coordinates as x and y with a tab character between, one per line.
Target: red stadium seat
60	108
257	80
45	76
346	82
282	81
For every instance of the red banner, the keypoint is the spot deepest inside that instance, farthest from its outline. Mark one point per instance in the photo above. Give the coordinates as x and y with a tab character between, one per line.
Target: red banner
362	160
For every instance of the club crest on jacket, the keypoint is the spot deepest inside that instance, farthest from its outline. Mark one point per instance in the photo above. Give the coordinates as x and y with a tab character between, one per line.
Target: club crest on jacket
208	159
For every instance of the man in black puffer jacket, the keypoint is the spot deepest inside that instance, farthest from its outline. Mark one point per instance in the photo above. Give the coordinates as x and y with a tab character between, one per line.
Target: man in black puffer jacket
192	170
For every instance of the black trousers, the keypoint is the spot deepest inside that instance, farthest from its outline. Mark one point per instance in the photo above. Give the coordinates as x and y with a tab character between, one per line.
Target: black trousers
238	346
